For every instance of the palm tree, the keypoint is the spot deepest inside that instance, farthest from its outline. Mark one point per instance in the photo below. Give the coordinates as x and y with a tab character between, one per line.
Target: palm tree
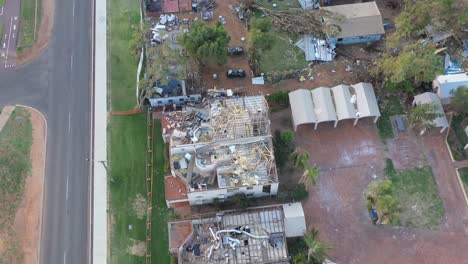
300	158
422	116
310	175
317	252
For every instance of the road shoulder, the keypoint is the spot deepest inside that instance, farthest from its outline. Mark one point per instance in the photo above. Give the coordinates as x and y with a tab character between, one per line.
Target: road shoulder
27	223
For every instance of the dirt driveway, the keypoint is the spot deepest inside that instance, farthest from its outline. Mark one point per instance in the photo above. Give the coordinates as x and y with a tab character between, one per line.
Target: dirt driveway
350	158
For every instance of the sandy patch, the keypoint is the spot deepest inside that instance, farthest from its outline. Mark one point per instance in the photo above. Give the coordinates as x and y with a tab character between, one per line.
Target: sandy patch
139	206
27	223
43	35
137	248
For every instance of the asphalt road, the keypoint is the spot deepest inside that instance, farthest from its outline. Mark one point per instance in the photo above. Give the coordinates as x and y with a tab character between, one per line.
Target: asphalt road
9	17
58	84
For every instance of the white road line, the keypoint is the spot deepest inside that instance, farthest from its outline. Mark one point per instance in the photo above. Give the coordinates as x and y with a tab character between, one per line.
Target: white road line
9	38
65	257
73	9
71	63
69	123
67	187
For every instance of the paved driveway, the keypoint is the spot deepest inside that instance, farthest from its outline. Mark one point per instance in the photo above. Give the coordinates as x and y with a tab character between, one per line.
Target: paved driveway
350	158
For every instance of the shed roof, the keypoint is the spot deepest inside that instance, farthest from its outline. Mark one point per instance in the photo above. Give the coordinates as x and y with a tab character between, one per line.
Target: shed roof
324	107
344	107
366	101
302	107
432	98
294	220
360	19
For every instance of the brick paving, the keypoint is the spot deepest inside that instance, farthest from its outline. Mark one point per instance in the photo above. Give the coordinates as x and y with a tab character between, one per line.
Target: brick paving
350	158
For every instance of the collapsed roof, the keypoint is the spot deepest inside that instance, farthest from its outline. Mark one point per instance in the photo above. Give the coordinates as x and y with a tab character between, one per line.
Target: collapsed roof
257	235
223	143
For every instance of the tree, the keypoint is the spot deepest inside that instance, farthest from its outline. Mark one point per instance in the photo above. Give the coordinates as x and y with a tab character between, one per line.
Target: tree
287	136
136	41
413	62
459	101
300	158
310	175
381	196
422	116
207	44
259	34
317	250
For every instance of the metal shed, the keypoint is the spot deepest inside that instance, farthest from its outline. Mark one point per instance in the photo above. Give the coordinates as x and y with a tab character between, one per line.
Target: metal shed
432	98
366	101
324	108
302	107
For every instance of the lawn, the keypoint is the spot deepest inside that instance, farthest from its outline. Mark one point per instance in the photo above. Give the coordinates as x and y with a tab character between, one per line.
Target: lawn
28	22
127	149
416	191
15	146
389	107
2	2
464	177
283	55
457	138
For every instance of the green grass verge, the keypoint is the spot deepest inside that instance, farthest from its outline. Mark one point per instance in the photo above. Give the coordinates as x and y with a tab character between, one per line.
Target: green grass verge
464	177
283	55
122	66
127	148
2	29
15	166
2	2
161	215
416	191
389	107
28	22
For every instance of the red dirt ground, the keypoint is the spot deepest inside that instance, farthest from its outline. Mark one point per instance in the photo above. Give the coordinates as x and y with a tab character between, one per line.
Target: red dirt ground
349	158
27	223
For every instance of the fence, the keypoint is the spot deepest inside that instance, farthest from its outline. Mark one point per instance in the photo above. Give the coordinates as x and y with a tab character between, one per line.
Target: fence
149	182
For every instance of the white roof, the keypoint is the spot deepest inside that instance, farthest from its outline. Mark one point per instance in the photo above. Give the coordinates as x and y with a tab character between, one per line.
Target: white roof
366	101
360	19
321	105
432	98
450	78
324	108
344	108
302	107
294	220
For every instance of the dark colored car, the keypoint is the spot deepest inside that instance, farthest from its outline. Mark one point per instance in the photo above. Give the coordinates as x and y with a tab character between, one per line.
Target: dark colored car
233	51
238	73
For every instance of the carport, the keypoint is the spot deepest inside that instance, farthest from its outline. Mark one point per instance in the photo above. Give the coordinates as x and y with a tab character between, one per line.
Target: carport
432	98
341	102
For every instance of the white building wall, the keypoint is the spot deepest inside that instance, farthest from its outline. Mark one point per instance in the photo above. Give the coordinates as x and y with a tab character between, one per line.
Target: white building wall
207	196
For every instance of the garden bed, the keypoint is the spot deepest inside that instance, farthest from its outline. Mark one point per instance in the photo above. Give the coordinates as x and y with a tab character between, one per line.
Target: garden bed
457	137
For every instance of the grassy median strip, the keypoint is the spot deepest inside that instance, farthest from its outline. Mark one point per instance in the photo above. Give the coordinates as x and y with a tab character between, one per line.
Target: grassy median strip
29	22
15	166
127	151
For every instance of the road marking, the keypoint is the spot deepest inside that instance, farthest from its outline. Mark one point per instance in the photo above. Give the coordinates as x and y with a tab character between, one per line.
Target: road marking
67	187
9	38
73	9
69	122
65	257
1	11
16	18
71	64
14	27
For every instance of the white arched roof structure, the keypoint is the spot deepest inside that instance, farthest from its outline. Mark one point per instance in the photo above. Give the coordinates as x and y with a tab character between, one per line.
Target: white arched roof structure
341	102
302	107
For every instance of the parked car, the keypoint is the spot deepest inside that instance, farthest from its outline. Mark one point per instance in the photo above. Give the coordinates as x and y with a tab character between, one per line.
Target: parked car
233	51
238	73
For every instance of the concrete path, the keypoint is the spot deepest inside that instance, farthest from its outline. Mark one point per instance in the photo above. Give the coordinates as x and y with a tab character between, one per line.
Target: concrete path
5	115
100	242
460	164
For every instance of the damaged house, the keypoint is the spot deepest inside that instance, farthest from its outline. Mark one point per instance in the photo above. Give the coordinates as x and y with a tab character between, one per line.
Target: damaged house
256	235
219	149
356	23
